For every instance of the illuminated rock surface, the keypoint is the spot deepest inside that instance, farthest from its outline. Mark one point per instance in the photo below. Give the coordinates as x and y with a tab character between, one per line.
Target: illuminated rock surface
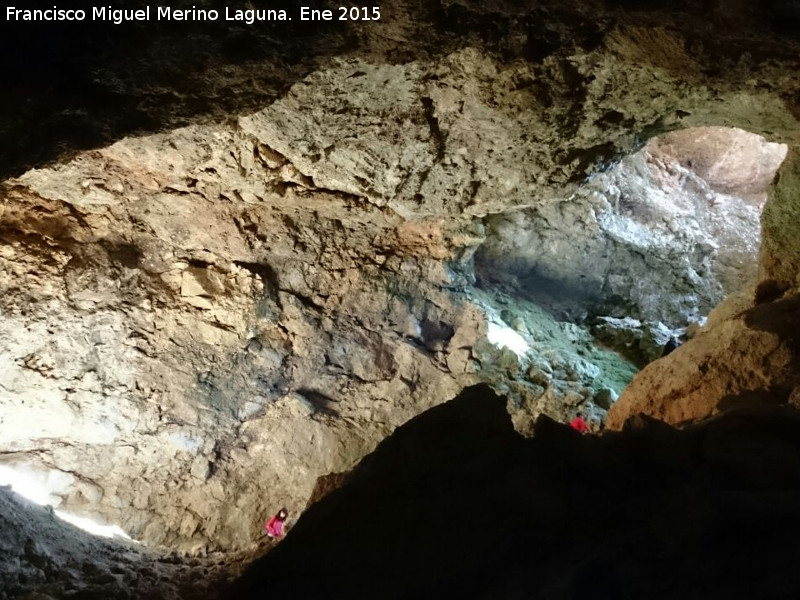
233	260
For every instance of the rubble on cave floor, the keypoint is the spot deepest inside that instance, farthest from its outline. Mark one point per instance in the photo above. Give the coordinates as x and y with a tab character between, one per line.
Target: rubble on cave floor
545	365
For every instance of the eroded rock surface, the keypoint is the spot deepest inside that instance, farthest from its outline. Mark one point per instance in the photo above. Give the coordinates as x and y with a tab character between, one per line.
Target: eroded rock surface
730	365
199	322
211	325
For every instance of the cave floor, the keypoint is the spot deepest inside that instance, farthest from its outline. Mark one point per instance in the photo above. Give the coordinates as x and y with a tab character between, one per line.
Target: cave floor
45	558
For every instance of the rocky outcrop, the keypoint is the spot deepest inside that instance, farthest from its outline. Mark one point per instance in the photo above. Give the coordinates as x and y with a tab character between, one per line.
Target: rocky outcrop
199	321
750	344
641	342
728	366
455	503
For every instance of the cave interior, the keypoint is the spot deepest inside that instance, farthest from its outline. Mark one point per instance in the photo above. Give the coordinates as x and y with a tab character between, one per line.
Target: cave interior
371	271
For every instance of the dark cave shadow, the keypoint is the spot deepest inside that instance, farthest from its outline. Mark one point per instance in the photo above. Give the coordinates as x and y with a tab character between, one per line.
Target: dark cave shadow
322	403
456	504
68	87
72	87
751	399
781	317
563	300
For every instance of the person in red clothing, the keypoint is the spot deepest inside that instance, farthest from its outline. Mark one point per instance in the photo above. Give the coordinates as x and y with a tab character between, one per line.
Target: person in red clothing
274	527
579	424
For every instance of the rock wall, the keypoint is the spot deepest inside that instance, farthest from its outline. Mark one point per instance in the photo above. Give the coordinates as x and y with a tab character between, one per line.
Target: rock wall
780	251
750	343
199	322
184	351
652	238
211	325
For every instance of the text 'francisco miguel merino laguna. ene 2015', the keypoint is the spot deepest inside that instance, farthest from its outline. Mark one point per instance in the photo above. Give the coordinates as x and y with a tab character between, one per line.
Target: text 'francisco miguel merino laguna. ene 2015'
166	13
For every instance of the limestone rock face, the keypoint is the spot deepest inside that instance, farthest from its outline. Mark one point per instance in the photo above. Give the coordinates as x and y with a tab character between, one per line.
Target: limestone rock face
201	316
749	345
197	351
652	238
729	160
212	319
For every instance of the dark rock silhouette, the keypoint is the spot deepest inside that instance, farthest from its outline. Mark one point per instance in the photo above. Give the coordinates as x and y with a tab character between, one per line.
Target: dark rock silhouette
457	505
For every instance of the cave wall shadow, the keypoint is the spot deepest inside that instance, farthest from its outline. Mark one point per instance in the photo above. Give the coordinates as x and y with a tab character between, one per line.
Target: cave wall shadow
563	300
70	87
456	504
780	317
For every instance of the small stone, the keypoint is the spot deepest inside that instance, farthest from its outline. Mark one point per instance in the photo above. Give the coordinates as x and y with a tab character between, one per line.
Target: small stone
536	375
201	468
605	398
191	286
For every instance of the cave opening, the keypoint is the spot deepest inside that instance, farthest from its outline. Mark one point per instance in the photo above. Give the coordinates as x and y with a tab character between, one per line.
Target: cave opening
647	246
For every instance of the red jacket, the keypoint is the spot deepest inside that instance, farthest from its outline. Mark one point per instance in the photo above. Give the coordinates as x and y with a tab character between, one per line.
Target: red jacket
578	424
274	527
